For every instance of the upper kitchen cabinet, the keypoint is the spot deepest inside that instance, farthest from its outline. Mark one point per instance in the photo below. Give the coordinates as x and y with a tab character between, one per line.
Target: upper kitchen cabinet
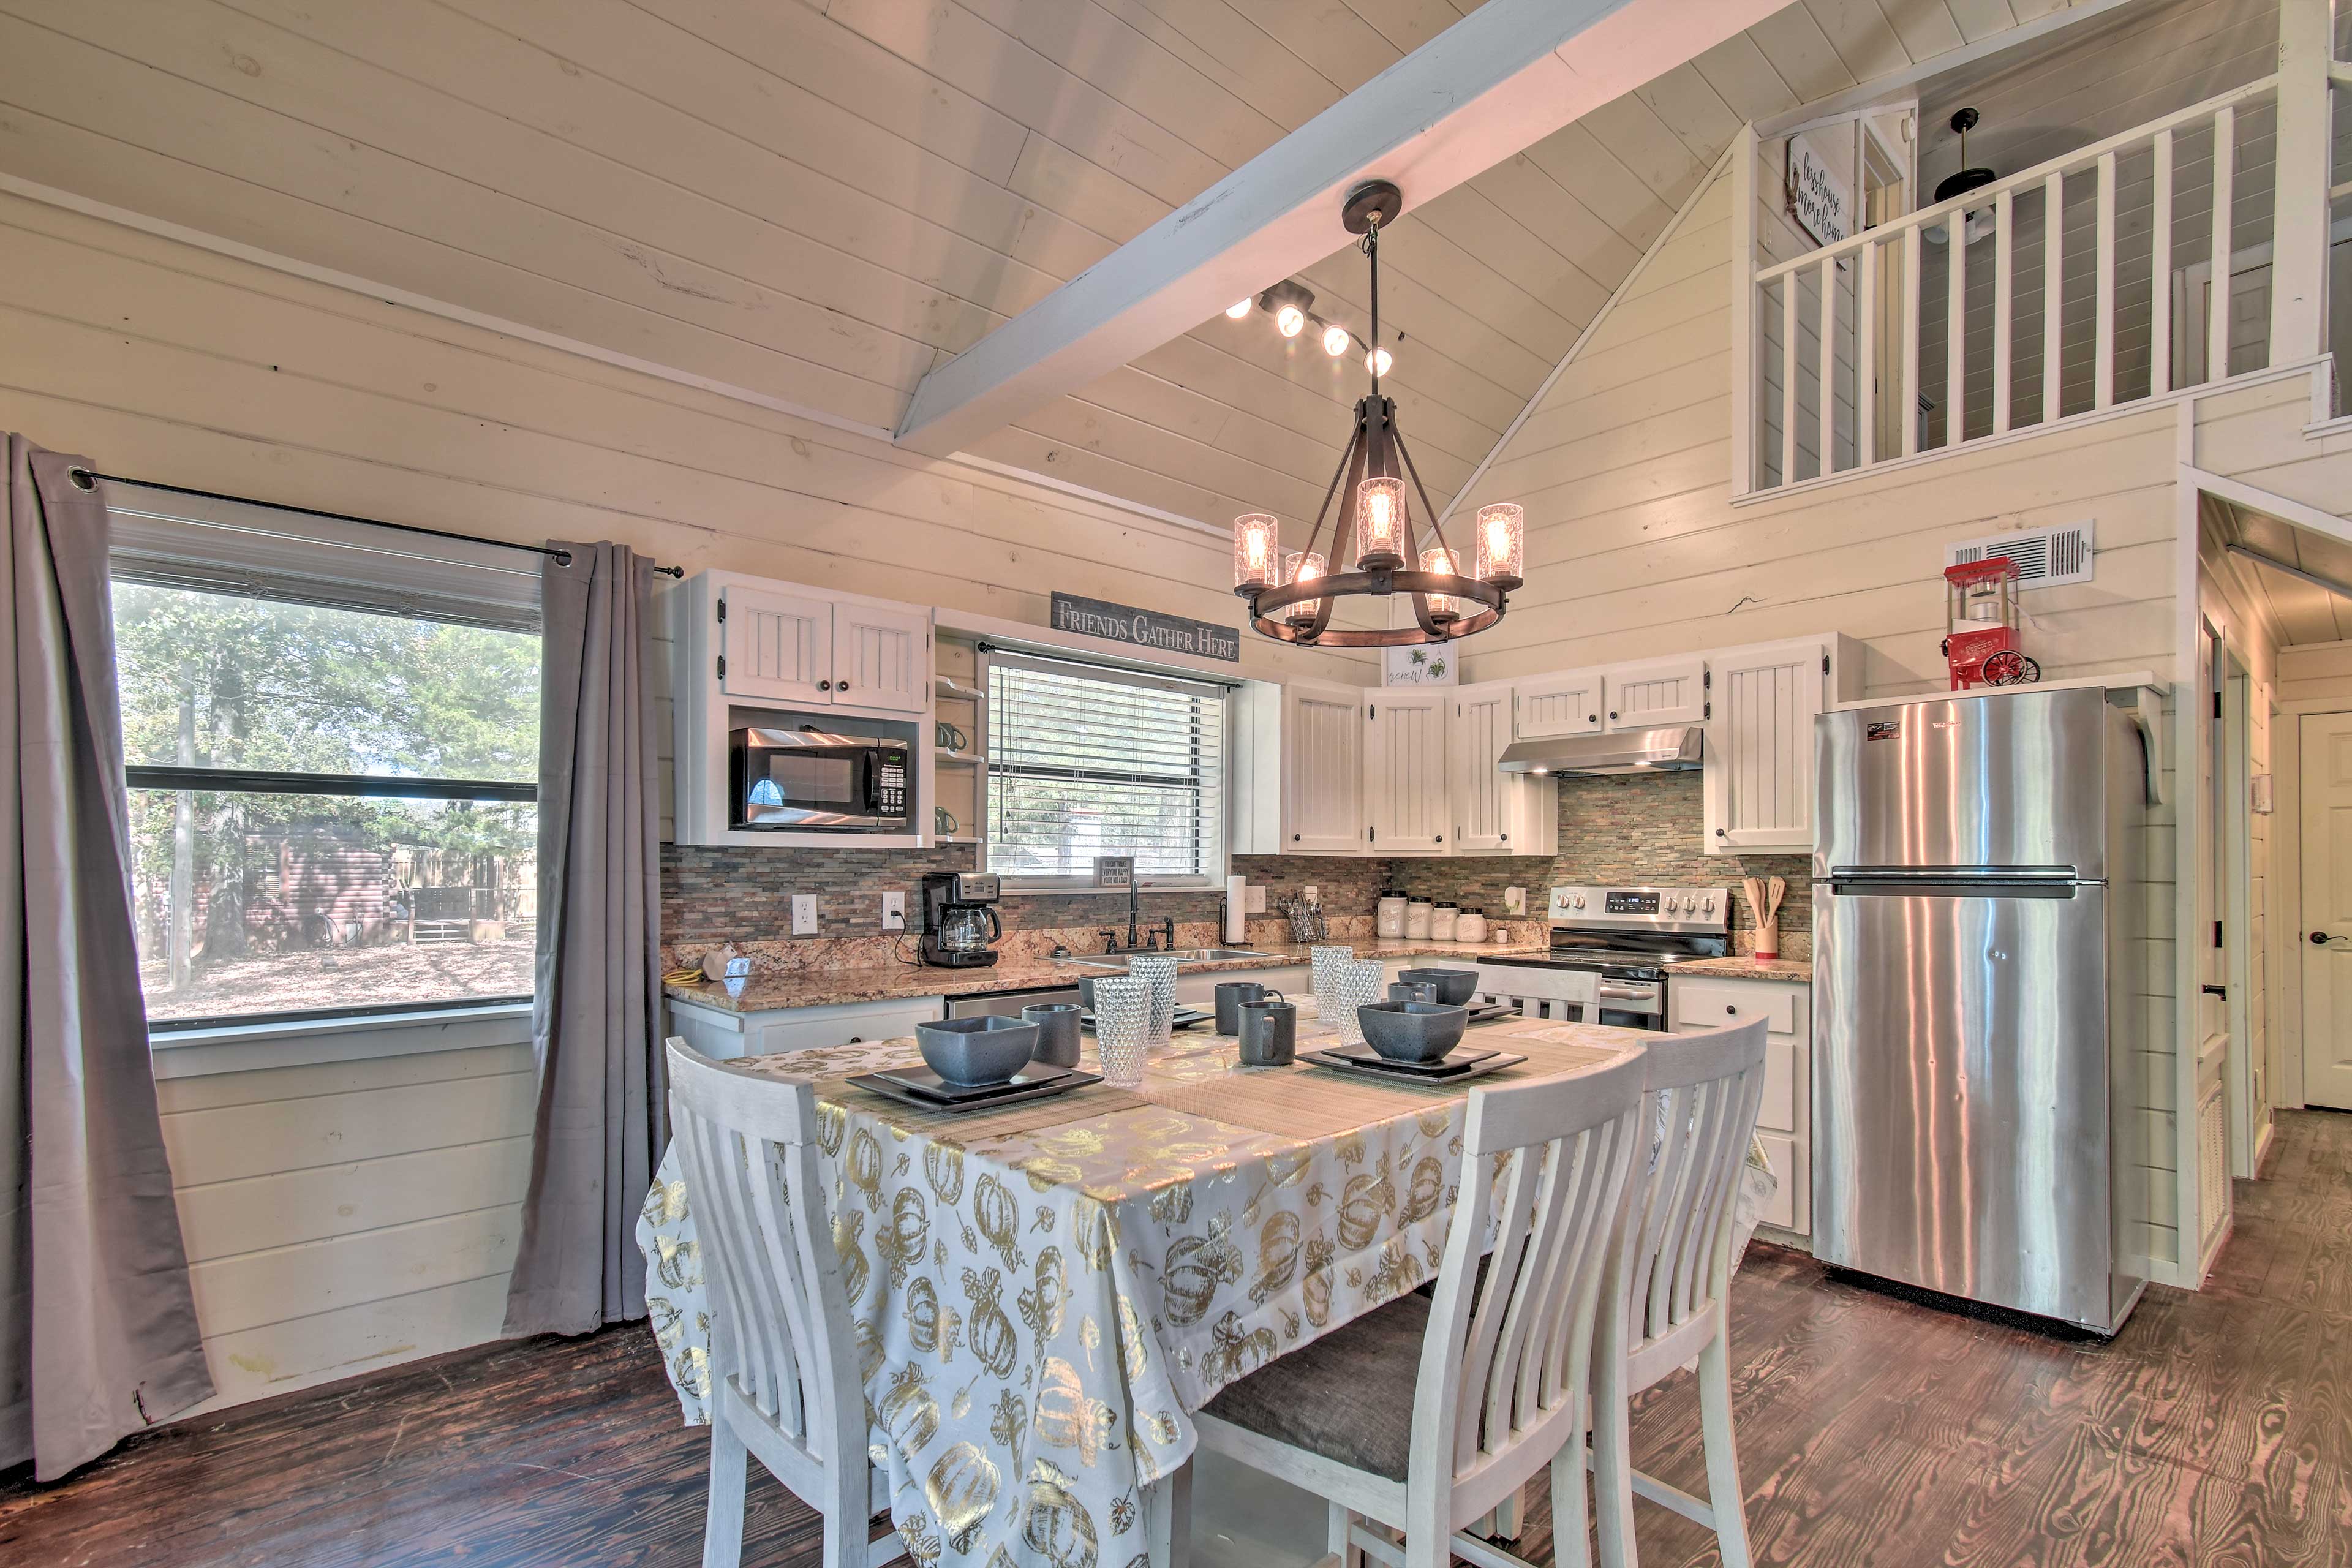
1564	704
1760	747
881	657
782	643
1655	694
753	653
1322	762
1407	798
1494	812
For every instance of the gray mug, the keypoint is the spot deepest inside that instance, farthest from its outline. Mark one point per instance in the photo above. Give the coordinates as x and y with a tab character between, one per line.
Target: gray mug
1269	1031
1231	994
1057	1032
1411	991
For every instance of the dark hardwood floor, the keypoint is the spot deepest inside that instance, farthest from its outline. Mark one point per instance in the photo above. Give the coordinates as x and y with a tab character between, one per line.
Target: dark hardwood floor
2216	1429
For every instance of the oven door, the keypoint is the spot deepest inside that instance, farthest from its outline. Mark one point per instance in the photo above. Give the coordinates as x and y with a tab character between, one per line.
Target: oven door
1630	1003
803	779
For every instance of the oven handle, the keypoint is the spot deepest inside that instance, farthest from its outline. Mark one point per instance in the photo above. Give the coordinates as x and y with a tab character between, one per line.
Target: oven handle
1621	991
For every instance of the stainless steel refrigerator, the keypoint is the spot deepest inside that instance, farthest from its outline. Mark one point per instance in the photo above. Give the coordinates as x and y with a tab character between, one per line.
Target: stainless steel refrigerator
1979	905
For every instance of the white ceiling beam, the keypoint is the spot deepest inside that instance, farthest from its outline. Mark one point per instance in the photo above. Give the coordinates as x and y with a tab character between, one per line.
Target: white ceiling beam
1502	78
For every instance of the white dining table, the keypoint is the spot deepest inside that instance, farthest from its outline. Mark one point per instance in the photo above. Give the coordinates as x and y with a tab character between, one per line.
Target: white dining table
1043	1293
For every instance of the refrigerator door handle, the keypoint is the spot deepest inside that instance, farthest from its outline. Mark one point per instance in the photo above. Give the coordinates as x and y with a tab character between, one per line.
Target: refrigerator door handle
1917	887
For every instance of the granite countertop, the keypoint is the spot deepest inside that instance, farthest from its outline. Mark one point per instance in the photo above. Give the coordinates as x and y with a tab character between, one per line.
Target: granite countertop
1747	968
828	987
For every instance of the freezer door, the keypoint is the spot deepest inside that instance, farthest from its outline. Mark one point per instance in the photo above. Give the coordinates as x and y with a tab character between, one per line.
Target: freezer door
1961	1093
2016	779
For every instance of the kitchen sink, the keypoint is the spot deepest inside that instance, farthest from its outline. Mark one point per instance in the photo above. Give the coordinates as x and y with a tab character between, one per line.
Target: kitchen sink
1182	954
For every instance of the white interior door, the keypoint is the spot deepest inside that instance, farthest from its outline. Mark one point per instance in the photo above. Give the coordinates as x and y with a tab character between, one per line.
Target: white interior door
1406	769
776	646
2327	909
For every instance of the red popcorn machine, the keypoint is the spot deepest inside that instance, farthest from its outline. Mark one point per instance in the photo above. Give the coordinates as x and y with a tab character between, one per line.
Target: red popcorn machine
1980	626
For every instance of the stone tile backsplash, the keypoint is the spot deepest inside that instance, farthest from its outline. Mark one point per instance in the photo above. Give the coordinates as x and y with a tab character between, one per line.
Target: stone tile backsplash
1632	828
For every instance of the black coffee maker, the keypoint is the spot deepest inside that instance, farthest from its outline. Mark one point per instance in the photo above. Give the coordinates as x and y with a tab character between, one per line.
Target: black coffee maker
959	918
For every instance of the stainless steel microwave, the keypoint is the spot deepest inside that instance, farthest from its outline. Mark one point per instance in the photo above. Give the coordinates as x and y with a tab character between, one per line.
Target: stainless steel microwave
807	780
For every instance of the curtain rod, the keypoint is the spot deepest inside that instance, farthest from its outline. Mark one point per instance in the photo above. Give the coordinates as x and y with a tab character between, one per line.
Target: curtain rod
563	556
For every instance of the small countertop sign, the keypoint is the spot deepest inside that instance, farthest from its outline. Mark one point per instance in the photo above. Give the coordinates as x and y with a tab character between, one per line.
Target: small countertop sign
1145	628
1114	870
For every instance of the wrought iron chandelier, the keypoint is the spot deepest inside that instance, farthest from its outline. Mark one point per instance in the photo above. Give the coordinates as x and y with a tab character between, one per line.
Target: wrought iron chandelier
1291	593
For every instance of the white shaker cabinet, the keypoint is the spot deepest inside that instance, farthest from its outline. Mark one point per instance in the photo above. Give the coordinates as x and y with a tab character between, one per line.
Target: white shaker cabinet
1322	769
1495	812
1784	1120
881	657
1656	693
1760	747
1407	806
1569	703
774	645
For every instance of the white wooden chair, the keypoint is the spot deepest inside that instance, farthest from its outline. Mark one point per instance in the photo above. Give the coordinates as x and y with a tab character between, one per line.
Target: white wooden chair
1666	1295
1426	1414
784	1362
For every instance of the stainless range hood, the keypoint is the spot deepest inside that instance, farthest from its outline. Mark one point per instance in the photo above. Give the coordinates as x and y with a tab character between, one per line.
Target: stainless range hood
1624	752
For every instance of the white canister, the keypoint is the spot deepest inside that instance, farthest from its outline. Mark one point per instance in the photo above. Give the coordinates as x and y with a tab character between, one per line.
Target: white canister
1389	915
1470	926
1417	913
1442	921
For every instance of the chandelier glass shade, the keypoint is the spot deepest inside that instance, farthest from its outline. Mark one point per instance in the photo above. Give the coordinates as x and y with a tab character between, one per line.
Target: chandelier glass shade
1378	546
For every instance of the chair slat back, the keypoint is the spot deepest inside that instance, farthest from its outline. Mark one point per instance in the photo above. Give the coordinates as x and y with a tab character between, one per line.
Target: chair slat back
1544	1166
781	1329
1704	1093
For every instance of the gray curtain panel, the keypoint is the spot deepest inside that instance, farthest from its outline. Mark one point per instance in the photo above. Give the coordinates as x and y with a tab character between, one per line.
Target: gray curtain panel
601	1118
98	1330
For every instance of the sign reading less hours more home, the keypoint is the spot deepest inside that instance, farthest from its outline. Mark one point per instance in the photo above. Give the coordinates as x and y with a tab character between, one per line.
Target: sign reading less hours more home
1819	198
1145	628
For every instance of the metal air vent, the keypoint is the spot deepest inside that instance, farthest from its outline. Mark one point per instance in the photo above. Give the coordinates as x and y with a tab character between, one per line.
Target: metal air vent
2045	557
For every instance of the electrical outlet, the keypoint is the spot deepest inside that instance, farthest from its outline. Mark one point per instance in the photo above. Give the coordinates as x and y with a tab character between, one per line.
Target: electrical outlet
894	912
803	914
1253	902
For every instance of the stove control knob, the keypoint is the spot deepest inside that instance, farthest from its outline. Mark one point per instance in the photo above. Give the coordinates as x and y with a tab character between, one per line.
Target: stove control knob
1710	905
1577	902
1673	905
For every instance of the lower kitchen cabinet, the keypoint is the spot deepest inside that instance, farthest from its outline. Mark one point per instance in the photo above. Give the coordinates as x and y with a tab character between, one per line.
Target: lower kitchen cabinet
1784	1123
721	1034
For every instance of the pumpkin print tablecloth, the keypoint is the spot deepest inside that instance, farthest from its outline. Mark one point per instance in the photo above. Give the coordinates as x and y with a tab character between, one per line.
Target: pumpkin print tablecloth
1041	1294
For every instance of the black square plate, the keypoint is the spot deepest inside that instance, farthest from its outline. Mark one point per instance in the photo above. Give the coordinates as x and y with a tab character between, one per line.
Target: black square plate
1186	1018
917	1078
874	1083
1386	1073
1460	1059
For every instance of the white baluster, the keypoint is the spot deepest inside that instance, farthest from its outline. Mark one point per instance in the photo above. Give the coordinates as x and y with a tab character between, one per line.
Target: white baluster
1789	292
1829	368
2054	290
2004	222
1911	340
2103	372
1865	359
2217	286
2159	269
1955	324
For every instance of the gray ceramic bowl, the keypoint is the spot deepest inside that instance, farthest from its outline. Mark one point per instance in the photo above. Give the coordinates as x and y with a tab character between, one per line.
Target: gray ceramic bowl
1454	986
968	1052
1411	1031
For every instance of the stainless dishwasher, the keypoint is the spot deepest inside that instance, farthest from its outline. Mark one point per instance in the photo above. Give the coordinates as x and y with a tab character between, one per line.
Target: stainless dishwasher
1008	1004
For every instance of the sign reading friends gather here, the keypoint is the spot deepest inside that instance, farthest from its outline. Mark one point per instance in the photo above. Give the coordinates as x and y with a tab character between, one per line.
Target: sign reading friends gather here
1145	628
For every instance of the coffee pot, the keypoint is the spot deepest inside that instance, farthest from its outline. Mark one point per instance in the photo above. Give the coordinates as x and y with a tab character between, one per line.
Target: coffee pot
959	918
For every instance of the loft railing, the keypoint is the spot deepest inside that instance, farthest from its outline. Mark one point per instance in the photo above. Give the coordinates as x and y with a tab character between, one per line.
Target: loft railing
2093	289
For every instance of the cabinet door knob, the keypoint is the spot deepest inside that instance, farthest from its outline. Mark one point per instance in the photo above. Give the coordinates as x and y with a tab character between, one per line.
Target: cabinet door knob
841	686
824	686
1721	834
1593	718
1441	839
1506	839
1293	838
1612	714
1727	1007
857	1039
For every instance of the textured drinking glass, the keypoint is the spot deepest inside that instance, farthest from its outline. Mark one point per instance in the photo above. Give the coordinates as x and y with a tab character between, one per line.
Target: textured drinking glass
1326	962
1159	972
1358	984
1122	1024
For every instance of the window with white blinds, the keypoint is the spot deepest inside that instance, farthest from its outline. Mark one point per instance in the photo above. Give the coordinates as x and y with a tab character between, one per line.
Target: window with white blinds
1085	761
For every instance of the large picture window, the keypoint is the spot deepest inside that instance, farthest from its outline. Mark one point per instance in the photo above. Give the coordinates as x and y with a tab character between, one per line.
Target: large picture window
332	799
1087	761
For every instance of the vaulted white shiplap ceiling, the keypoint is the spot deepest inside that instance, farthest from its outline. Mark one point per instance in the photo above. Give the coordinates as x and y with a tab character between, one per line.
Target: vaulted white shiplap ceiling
823	203
2298	610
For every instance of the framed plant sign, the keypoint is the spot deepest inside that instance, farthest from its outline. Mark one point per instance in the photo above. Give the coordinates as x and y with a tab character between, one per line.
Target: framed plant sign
1434	665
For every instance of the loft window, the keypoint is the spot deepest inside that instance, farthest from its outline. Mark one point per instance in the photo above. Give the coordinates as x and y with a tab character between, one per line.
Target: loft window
1086	761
